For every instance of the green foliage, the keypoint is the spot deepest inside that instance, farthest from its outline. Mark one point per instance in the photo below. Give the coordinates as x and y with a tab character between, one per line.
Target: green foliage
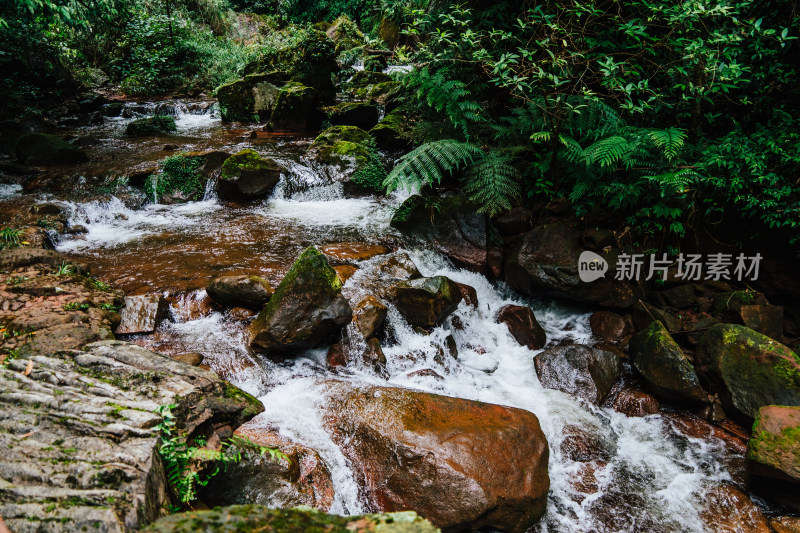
187	465
10	238
64	269
489	180
370	174
178	173
449	97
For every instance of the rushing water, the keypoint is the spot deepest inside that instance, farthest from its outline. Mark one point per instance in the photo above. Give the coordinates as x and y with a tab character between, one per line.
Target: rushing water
654	478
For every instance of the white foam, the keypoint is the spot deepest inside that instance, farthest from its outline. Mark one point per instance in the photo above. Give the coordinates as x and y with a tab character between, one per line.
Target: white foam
9	190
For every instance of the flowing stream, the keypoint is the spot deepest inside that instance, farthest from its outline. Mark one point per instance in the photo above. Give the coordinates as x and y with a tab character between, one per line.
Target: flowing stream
654	478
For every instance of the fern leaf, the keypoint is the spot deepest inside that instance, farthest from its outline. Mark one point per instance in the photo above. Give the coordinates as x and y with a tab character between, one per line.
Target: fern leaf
670	140
491	182
429	163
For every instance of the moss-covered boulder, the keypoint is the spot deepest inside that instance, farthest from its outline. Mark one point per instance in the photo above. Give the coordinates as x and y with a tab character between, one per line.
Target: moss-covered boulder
306	55
774	447
151	126
425	302
389	32
45	149
375	63
246	176
251	292
345	33
662	363
748	369
250	99
296	108
392	132
359	114
256	518
348	156
177	180
307	309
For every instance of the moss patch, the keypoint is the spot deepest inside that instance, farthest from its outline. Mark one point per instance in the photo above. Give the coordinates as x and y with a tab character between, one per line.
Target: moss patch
151	126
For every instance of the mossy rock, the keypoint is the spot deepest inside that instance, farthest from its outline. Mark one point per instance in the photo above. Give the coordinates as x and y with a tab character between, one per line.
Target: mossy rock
392	132
306	310
253	405
306	55
296	108
151	126
359	114
365	77
45	149
246	175
113	109
662	363
251	98
256	518
389	32
748	369
180	180
375	63
774	447
342	146
345	33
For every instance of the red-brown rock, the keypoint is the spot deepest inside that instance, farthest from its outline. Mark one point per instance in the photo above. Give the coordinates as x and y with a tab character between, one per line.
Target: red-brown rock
460	463
469	294
608	326
632	402
523	326
729	510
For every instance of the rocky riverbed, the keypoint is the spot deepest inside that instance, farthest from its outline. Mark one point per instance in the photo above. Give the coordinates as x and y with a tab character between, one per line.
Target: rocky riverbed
401	357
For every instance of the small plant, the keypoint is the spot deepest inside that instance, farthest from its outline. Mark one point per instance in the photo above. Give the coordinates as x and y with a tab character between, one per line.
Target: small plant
46	224
9	356
178	173
184	463
16	280
10	238
109	307
75	306
99	285
65	269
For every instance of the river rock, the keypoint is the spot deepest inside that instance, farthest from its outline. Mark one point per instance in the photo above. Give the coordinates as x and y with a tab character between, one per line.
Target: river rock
251	292
662	363
345	149
545	262
399	266
246	176
45	149
632	402
514	221
425	302
359	114
580	371
469	294
750	309
80	439
749	370
306	310
465	465
450	224
151	126
644	314
523	326
608	326
256	518
301	478
296	108
369	314
348	252
785	524
729	510
250	99
14	258
392	132
774	448
345	33
142	314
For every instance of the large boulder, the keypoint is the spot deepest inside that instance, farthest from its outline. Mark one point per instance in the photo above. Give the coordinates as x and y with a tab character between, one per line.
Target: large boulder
246	175
251	98
464	465
45	149
450	225
151	126
260	519
142	314
306	310
250	292
425	302
300	477
774	448
80	437
545	262
345	33
296	108
344	147
522	325
580	371
359	114
749	370
662	363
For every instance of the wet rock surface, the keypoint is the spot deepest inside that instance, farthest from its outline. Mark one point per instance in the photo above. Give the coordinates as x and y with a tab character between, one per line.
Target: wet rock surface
79	432
581	371
522	325
246	176
306	310
250	292
426	302
429	453
774	448
142	314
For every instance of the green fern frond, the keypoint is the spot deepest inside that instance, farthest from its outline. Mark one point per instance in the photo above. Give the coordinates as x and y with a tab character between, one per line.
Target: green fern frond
451	97
491	182
670	140
541	136
429	163
572	150
609	151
